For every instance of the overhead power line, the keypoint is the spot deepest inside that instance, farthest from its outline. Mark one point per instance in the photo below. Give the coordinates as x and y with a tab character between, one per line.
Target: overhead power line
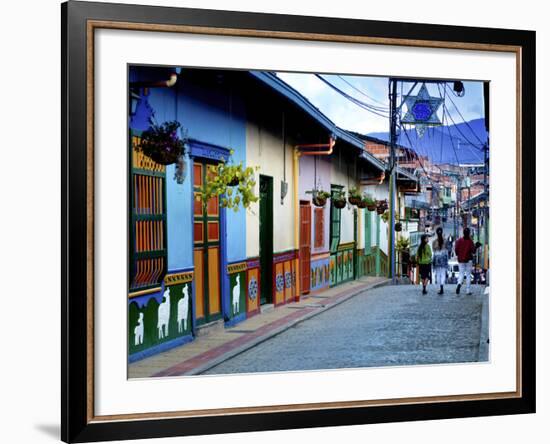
464	120
372	109
362	92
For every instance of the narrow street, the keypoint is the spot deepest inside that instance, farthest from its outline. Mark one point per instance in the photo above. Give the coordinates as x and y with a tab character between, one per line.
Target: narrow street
390	325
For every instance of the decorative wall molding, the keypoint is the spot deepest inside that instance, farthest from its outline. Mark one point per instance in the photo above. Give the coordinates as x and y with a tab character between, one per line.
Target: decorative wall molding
253	262
236	268
346	246
208	150
319	256
137	293
179	278
284	256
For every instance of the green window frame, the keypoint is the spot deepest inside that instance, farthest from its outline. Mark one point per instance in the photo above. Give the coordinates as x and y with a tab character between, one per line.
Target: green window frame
335	221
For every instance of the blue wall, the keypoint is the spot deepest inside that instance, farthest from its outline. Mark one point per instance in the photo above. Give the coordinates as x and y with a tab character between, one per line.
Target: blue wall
212	115
209	114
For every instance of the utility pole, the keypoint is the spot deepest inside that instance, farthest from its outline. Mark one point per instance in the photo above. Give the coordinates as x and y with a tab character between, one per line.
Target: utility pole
485	172
393	142
469	217
457	204
486	193
485	190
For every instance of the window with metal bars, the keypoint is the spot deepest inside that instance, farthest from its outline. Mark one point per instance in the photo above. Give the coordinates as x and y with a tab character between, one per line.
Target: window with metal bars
147	255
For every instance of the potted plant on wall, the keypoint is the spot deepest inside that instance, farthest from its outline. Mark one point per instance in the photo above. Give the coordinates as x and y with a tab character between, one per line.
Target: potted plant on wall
161	143
319	197
234	184
338	199
398	226
403	244
367	202
381	206
354	196
371	203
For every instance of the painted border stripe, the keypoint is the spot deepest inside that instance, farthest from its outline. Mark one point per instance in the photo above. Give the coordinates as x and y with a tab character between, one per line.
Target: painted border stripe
178	278
236	268
135	294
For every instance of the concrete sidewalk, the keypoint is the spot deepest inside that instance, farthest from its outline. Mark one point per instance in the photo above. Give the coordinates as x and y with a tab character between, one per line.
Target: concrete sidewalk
222	344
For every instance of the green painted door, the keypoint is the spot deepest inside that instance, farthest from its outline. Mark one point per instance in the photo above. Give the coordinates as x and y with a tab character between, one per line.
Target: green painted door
266	239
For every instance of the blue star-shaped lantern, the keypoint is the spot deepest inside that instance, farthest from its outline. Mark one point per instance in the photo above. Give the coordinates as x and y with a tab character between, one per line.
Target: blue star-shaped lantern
422	110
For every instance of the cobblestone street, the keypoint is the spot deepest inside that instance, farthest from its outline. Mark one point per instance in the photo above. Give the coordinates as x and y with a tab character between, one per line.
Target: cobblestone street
390	325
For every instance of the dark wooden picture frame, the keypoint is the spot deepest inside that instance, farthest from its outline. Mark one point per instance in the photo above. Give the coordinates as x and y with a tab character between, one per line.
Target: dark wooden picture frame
79	20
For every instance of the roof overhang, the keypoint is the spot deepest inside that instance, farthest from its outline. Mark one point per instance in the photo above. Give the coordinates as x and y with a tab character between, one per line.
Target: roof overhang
305	105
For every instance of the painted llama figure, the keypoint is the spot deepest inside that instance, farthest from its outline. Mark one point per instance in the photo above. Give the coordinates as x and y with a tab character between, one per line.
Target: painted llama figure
164	315
183	310
236	295
138	331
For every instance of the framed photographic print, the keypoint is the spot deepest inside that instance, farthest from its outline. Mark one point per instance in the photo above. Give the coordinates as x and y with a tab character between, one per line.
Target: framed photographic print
276	221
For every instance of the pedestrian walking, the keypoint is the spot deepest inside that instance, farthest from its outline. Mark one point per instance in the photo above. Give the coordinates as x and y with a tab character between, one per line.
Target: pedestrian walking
424	259
465	250
450	245
440	259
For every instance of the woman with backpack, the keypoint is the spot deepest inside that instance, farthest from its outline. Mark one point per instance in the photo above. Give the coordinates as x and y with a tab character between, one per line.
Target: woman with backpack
424	259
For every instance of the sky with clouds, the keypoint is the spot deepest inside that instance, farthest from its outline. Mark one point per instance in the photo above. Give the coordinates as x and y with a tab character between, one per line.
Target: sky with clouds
374	91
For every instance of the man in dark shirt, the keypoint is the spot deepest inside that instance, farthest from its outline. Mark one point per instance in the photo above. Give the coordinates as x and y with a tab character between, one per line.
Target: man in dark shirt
465	250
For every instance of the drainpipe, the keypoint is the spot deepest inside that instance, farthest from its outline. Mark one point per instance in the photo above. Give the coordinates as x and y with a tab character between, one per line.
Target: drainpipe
295	170
328	152
374	181
171	81
295	174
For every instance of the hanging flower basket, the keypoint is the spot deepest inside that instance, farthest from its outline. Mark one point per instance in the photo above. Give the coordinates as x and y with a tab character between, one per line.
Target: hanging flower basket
162	144
319	201
354	197
368	203
338	199
234	182
380	210
339	203
382	204
218	182
398	226
319	198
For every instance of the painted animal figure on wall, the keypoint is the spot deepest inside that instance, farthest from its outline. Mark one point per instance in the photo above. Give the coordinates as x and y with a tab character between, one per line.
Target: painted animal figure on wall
183	310
164	315
138	331
236	295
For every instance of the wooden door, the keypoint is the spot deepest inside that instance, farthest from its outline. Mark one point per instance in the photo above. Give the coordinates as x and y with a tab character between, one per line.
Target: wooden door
206	236
266	239
305	247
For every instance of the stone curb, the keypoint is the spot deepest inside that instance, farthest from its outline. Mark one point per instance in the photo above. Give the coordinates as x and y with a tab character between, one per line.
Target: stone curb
240	349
